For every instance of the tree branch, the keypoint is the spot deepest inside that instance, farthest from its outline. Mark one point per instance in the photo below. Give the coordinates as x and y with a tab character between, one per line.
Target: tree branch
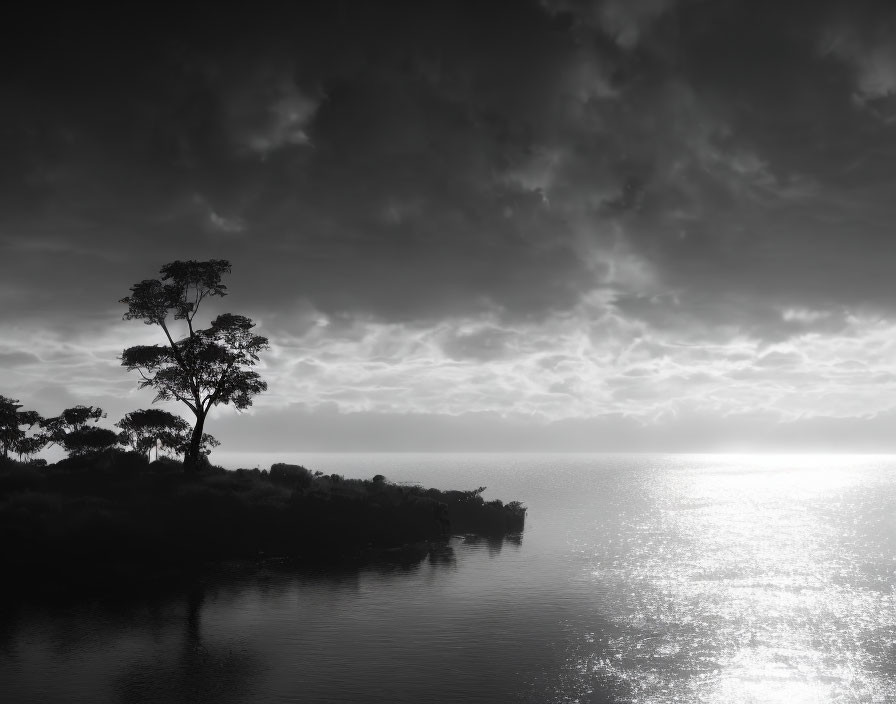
211	398
181	361
168	388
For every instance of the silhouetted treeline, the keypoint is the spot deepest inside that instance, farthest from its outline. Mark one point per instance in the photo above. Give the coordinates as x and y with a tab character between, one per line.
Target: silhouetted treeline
117	512
26	433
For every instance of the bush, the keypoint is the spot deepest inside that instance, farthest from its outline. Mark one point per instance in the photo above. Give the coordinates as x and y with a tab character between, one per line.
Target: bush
468	512
290	475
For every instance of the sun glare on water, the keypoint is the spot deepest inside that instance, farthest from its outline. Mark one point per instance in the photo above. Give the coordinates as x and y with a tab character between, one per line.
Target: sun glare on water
751	582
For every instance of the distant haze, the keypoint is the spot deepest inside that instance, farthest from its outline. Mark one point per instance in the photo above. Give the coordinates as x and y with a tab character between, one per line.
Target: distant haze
659	225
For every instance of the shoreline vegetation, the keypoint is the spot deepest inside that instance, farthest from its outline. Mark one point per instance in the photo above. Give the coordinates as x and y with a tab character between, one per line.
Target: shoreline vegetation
104	513
115	516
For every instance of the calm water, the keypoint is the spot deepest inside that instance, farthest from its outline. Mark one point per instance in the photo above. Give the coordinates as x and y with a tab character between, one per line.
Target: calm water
639	578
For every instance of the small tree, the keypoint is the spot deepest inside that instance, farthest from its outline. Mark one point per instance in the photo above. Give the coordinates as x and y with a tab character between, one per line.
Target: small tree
14	427
148	428
89	440
145	429
28	446
70	431
208	366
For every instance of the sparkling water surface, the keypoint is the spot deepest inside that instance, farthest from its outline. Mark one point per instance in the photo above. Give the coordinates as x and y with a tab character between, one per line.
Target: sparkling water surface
648	579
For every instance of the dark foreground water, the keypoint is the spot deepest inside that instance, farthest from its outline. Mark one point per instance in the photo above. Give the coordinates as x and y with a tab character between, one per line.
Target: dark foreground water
649	579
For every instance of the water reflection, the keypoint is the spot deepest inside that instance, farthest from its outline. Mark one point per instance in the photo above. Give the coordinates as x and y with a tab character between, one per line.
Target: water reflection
262	634
197	671
493	544
443	556
745	583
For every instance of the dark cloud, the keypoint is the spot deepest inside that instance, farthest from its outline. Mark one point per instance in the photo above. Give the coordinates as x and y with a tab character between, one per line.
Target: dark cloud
787	201
360	154
360	151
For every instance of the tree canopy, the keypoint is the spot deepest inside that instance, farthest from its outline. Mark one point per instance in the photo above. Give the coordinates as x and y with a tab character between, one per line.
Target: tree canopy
70	430
14	426
88	440
145	428
207	366
150	428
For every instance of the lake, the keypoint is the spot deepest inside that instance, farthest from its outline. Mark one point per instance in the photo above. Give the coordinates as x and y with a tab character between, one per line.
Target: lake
649	579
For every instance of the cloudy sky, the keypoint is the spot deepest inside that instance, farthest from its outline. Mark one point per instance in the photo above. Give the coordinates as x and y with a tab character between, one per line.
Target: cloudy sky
554	225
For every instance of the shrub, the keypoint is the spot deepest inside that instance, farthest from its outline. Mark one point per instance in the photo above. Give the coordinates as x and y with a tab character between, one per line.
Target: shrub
290	475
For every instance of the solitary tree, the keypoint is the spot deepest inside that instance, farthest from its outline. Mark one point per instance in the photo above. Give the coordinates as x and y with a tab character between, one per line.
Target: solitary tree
14	427
207	366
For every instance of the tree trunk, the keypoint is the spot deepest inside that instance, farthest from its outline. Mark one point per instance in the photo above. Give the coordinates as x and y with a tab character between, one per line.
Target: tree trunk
191	456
